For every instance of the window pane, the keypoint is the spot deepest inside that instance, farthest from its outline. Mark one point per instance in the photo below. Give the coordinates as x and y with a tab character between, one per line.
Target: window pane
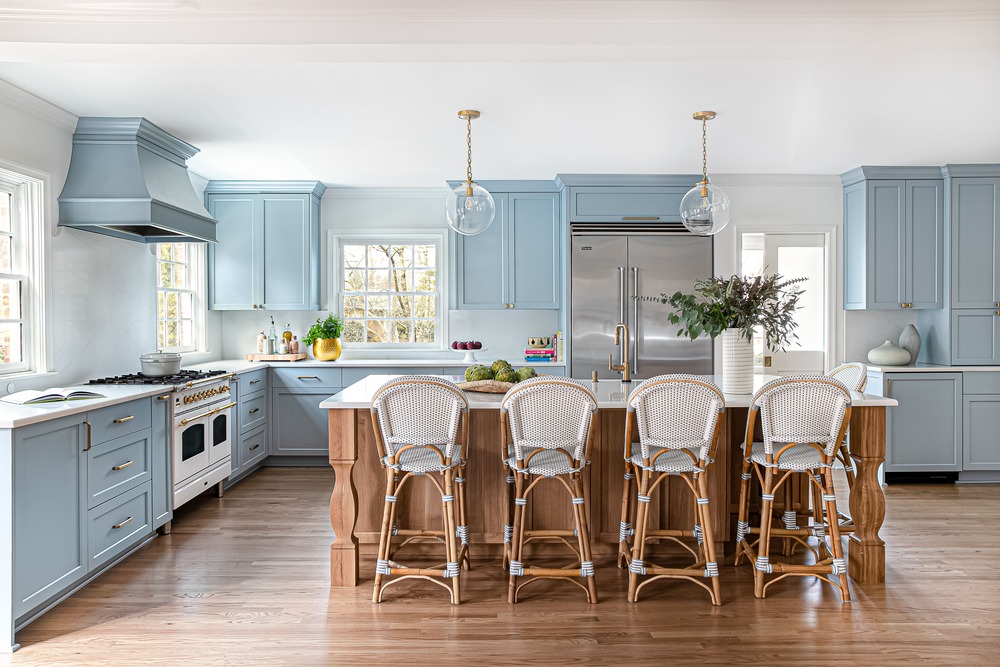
5	212
6	243
161	305
424	255
180	276
402	255
401	306
185	332
166	275
807	262
354	306
354	256
10	299
402	281
10	343
378	256
378	281
425	331
378	331
354	331
171	305
425	306
180	252
166	251
378	306
185	306
402	331
425	281
172	340
354	280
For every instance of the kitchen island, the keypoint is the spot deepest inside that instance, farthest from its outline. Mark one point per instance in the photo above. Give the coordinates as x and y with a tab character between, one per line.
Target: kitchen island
356	517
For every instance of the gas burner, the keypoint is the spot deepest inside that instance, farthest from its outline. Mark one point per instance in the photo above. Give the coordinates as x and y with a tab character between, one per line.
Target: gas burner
176	379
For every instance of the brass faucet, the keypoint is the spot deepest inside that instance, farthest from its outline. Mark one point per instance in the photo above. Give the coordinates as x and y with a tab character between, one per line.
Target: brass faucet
624	367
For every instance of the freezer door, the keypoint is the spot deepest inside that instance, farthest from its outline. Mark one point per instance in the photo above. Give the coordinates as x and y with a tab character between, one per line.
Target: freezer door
666	264
597	302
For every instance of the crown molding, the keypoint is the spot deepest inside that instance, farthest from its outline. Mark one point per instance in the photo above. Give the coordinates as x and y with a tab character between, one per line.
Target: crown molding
22	100
344	192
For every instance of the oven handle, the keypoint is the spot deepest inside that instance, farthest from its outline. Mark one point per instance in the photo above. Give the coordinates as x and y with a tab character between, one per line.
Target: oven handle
214	378
185	422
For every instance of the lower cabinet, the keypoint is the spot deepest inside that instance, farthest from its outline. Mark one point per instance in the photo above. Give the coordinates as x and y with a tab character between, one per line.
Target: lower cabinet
981	421
298	426
252	448
116	525
250	422
162	483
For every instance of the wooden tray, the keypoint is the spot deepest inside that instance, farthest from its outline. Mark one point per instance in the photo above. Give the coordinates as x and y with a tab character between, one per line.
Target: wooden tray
275	357
486	386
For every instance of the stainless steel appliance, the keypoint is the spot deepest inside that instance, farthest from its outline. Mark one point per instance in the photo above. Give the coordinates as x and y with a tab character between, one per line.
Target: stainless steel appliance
610	265
202	433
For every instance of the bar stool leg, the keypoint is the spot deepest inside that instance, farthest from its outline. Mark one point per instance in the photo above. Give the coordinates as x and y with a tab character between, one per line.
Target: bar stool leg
508	526
385	536
637	563
762	565
625	529
743	520
583	537
463	523
448	507
840	564
517	539
708	536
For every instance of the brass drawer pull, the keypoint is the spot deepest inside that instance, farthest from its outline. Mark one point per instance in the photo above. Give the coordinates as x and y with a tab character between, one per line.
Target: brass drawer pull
119	525
255	381
122	466
888	384
122	420
88	437
307	377
254	447
641	217
165	397
253	410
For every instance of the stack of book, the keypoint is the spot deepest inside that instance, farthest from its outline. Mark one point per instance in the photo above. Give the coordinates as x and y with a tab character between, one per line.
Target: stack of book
534	354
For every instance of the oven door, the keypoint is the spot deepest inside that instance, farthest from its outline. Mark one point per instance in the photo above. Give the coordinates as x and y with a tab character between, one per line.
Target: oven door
202	438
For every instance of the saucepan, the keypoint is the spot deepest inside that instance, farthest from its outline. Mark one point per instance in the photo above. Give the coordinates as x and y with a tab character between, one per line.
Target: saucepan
156	364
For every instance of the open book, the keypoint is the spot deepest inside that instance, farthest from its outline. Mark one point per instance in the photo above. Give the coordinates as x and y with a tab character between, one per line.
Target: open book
31	396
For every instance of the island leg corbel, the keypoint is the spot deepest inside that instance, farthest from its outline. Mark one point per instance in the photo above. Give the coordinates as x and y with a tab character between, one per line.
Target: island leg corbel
866	550
343	443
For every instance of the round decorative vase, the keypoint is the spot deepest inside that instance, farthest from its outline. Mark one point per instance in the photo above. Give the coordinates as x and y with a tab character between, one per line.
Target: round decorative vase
326	349
888	354
737	363
909	340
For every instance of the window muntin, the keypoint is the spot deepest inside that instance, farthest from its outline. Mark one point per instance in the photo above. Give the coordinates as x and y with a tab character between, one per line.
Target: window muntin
177	269
390	292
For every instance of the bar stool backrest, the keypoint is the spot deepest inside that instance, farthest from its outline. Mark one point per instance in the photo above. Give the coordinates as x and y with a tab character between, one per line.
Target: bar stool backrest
802	408
421	410
853	375
676	412
551	413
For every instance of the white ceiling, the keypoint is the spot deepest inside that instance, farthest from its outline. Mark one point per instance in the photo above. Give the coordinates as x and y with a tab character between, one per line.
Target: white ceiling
366	93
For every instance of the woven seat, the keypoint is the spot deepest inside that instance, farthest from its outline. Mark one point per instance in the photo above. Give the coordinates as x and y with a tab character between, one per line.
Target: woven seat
421	430
678	419
546	435
803	419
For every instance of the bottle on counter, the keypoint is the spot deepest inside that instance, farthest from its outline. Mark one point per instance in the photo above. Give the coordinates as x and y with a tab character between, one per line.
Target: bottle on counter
293	346
287	334
261	342
272	339
282	346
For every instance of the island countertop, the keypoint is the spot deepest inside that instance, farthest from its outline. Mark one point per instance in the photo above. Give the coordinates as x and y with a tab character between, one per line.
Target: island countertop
610	394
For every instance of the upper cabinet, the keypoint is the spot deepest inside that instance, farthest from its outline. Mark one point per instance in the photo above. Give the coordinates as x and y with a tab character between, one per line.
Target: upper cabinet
516	262
268	250
893	238
975	236
629	199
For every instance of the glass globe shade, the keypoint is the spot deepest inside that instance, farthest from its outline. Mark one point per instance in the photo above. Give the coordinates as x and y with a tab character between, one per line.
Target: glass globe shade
470	215
705	209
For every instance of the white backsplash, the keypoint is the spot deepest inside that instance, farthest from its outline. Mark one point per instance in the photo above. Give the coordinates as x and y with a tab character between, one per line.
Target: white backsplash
865	329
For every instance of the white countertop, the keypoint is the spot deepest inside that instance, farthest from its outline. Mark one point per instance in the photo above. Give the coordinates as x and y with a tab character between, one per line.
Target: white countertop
241	365
13	416
926	368
610	394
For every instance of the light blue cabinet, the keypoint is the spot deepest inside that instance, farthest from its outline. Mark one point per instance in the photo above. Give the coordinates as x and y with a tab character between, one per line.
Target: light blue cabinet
893	238
981	421
298	426
250	421
268	250
516	262
975	242
975	336
655	204
162	486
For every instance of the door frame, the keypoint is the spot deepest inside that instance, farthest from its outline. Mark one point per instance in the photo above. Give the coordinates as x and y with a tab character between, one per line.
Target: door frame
834	308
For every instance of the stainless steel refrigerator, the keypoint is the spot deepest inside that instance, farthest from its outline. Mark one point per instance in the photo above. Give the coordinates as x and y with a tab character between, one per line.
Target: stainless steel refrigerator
608	269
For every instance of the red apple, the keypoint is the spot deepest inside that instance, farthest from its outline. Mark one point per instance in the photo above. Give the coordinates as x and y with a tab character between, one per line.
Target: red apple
476	345
454	344
461	346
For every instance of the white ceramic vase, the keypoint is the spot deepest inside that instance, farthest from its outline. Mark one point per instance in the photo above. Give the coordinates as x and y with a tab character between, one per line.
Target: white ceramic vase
888	354
737	363
909	340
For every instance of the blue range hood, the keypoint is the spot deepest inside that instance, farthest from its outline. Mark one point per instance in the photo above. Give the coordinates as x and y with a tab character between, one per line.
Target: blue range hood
128	178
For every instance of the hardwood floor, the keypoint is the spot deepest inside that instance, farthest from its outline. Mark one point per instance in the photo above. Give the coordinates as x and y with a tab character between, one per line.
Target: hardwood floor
244	580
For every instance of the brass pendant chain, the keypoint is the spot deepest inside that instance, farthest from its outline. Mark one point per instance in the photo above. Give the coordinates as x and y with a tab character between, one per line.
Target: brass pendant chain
704	151
468	143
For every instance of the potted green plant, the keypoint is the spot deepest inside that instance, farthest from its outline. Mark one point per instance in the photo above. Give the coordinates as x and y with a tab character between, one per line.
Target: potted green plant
734	308
324	336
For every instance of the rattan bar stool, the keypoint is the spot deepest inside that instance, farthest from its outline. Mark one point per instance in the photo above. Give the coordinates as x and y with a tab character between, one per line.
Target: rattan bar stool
421	430
678	419
803	420
547	435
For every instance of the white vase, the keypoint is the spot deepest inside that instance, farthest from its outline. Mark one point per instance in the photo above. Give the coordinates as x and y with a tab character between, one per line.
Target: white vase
909	340
737	363
888	354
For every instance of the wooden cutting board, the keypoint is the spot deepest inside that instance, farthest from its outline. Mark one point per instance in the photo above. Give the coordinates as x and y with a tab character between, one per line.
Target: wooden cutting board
275	357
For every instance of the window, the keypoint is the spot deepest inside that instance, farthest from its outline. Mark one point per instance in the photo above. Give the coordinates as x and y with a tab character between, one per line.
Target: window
21	269
178	270
390	292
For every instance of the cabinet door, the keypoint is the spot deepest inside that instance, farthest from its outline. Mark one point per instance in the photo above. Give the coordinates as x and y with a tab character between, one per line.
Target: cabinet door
886	244
625	204
232	262
288	253
481	264
924	244
975	336
924	432
981	432
975	243
533	242
162	485
855	245
298	425
50	507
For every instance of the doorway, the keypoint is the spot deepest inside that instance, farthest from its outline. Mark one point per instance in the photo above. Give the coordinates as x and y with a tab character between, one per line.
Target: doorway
794	255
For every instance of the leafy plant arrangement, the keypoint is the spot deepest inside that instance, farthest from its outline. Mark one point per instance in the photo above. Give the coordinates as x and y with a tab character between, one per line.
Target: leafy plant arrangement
331	327
739	302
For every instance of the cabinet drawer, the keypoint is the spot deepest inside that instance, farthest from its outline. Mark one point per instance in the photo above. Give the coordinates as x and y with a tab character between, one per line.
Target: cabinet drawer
981	383
253	411
352	375
118	420
118	524
306	377
117	466
252	381
619	204
253	448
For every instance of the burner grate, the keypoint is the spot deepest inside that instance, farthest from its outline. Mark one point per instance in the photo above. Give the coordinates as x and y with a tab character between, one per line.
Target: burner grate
139	378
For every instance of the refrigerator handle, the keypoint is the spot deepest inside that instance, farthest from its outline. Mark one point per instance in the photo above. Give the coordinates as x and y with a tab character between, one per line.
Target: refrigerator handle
635	320
622	299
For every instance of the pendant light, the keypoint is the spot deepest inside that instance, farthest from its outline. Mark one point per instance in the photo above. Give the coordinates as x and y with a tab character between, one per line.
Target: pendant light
705	208
469	207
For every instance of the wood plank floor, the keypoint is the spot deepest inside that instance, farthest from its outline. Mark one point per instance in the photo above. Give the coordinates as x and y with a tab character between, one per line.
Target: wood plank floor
244	580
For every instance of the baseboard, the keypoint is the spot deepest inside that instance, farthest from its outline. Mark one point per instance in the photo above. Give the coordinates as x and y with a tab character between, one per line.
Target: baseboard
921	477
